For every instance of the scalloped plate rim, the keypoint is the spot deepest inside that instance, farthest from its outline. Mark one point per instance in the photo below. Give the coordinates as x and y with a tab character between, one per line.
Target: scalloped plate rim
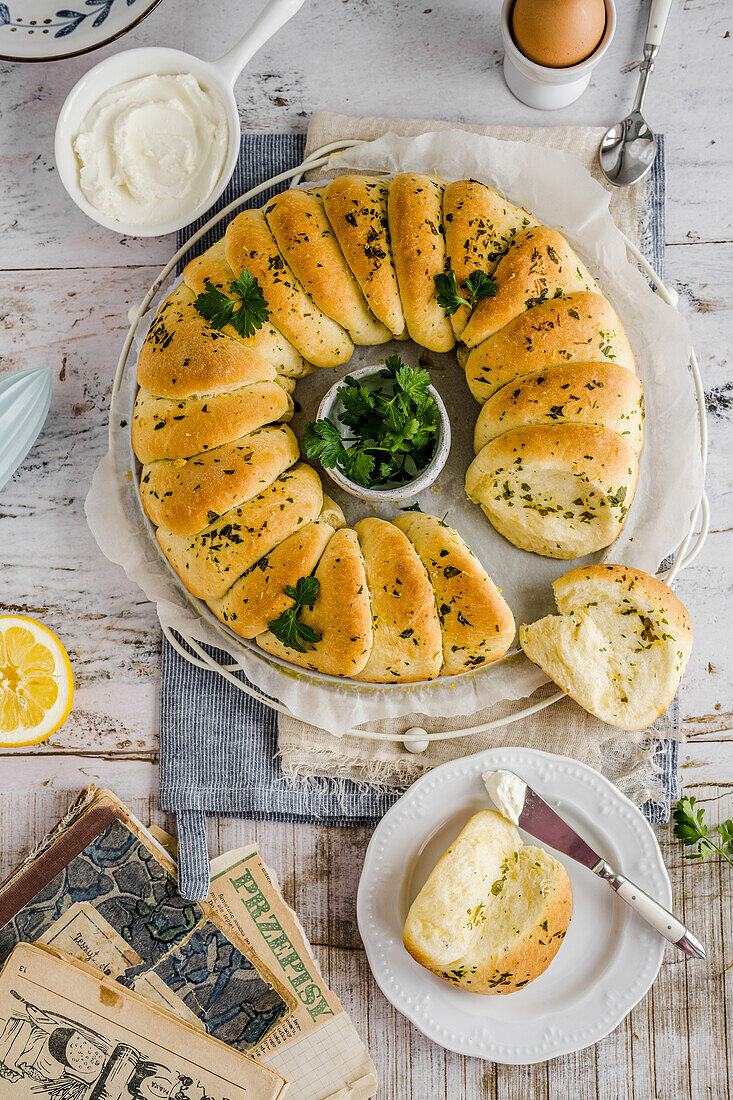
378	951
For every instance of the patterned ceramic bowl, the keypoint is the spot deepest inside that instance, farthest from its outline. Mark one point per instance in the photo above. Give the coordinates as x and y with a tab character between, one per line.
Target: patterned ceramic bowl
43	30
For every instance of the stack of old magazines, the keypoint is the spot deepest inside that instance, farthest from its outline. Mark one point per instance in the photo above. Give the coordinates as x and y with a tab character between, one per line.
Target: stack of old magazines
113	987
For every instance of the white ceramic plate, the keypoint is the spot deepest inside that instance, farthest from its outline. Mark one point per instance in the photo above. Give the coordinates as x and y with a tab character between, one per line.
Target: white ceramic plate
609	957
48	30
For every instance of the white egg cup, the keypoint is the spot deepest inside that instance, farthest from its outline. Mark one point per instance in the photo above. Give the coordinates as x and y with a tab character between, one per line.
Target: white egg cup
543	87
330	407
217	77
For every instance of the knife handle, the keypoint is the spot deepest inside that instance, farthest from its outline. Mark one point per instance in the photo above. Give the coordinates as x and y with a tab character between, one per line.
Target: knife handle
651	911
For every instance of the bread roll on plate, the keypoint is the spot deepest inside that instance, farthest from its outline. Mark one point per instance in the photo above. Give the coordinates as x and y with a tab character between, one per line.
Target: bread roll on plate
418	250
305	238
476	623
356	207
494	911
596	394
581	328
407	640
212	267
559	491
480	225
341	613
184	495
209	563
539	265
250	245
619	646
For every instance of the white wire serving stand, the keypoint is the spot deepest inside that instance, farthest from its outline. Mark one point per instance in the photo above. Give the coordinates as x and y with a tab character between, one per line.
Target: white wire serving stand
416	739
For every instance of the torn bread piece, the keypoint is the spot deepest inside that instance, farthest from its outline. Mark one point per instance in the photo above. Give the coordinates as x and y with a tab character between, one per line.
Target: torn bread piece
619	646
494	911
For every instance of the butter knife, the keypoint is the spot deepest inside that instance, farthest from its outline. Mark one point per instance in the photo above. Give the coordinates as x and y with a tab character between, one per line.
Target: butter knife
539	820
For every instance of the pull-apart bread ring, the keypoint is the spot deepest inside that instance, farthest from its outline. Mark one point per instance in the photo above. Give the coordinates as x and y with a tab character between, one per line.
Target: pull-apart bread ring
619	646
359	261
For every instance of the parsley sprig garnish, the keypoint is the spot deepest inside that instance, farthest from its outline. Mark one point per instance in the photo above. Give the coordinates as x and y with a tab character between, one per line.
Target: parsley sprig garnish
393	430
246	311
478	285
287	627
695	835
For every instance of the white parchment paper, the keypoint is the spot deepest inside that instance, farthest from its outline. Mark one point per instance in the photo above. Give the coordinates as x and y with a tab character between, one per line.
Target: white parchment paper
559	191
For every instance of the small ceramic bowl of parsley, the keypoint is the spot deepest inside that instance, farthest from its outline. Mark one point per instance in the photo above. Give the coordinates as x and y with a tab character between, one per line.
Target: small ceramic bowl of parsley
382	432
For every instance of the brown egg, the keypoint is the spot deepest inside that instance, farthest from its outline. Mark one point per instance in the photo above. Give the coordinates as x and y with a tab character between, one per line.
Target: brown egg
558	33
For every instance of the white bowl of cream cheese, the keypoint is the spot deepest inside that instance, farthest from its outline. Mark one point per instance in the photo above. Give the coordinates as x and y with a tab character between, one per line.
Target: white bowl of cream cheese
148	139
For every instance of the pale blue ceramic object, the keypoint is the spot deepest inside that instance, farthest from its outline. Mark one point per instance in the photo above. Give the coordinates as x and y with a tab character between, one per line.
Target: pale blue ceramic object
25	398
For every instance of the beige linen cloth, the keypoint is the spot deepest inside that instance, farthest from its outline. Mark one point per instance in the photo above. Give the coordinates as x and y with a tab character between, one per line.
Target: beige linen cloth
564	727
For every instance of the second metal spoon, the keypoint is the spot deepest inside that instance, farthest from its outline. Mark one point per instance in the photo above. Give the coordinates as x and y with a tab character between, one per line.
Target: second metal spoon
628	149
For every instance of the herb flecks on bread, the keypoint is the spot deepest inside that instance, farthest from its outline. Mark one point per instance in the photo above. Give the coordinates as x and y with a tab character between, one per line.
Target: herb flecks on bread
494	911
619	646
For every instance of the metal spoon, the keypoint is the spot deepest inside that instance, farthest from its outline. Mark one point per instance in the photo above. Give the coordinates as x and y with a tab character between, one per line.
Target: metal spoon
628	149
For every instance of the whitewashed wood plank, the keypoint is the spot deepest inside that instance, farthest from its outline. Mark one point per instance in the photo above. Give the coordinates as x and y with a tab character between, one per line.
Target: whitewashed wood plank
455	52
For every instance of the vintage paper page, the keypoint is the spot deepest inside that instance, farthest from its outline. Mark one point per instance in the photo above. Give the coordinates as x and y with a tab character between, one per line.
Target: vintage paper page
68	1033
317	1049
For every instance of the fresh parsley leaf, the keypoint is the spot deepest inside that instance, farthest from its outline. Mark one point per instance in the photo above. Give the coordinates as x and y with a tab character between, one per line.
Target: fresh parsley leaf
690	828
244	307
392	428
448	296
478	285
287	627
412	507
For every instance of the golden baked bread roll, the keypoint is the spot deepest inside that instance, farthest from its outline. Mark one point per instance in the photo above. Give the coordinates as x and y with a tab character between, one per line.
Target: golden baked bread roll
597	394
356	207
251	245
210	562
184	355
331	513
580	328
560	491
539	265
303	233
619	646
494	911
212	267
164	428
476	623
407	639
259	596
415	214
184	495
341	613
480	225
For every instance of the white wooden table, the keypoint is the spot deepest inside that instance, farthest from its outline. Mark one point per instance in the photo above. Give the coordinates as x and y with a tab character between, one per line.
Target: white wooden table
65	287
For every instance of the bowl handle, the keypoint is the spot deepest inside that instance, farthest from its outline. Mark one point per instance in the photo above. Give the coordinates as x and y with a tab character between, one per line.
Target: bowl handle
273	16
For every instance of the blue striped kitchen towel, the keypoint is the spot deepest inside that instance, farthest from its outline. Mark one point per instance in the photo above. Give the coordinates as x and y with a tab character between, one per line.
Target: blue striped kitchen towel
218	746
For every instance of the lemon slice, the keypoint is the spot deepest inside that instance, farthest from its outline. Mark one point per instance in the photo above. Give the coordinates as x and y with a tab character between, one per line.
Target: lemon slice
36	684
